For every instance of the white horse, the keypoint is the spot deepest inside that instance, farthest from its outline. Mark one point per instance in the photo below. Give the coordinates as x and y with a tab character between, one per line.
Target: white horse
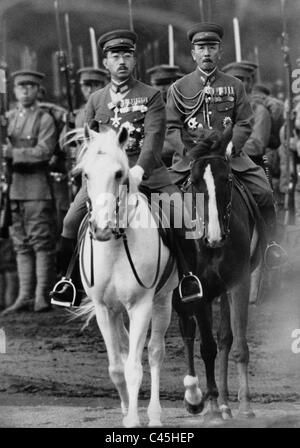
104	164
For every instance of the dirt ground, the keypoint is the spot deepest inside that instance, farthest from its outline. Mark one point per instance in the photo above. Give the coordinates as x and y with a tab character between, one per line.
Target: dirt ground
53	374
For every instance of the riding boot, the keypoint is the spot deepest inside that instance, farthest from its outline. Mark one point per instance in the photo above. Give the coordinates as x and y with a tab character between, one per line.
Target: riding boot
45	275
67	292
26	274
275	256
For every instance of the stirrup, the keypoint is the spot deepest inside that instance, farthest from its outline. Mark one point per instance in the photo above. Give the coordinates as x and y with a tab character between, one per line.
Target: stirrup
193	296
282	258
64	281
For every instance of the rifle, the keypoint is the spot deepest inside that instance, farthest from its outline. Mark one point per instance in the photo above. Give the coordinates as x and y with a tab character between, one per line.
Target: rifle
5	176
291	168
67	68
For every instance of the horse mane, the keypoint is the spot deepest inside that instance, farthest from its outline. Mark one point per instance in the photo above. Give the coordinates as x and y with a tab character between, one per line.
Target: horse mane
104	142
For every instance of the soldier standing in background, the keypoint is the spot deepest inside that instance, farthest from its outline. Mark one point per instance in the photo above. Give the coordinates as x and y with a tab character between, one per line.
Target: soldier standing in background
31	134
90	80
161	77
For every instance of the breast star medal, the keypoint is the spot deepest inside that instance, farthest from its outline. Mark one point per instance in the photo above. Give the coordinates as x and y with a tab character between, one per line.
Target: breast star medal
116	120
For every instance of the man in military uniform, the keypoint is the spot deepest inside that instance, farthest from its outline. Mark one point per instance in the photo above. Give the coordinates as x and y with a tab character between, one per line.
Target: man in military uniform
141	107
161	77
31	134
210	99
90	80
259	138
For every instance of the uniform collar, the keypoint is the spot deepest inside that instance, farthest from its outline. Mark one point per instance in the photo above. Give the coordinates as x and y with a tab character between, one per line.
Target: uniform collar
23	110
207	77
122	87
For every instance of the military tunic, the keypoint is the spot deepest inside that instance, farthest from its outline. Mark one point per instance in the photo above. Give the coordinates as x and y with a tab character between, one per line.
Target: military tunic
31	134
142	110
197	102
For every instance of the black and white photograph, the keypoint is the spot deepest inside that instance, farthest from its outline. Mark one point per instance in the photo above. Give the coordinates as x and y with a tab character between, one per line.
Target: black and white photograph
149	217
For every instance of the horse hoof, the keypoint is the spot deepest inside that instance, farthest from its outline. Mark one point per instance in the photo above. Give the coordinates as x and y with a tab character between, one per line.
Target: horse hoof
131	423
193	408
244	415
155	424
226	413
214	417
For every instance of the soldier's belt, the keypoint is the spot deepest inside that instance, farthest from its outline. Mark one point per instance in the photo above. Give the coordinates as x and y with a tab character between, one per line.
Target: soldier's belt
29	168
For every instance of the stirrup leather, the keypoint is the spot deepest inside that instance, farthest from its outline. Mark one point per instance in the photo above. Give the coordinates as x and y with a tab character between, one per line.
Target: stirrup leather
64	281
191	297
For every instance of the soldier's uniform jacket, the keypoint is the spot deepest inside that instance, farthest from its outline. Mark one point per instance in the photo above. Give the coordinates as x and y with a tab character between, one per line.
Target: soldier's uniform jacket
259	138
142	110
80	116
32	135
195	102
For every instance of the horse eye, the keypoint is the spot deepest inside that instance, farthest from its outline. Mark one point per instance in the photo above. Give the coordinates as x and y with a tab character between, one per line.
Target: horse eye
118	174
86	176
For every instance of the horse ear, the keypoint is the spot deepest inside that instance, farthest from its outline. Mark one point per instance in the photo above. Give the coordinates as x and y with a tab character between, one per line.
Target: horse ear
88	133
123	136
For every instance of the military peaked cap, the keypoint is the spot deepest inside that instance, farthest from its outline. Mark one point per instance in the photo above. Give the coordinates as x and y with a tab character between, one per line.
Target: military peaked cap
243	69
163	74
91	74
205	32
261	88
118	39
27	76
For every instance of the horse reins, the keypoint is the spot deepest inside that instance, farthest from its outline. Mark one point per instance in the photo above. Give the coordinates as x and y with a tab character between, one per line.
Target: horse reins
118	232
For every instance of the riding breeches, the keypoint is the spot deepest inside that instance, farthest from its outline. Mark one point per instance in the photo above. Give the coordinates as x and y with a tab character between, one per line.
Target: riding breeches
33	225
256	181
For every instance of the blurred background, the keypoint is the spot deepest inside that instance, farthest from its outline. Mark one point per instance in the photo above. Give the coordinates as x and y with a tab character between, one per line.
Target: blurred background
29	37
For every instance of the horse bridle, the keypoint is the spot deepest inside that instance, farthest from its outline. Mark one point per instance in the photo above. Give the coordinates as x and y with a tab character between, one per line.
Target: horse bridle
119	232
228	209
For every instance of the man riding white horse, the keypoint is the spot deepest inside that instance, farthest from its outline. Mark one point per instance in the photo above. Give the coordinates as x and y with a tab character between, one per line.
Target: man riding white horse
127	101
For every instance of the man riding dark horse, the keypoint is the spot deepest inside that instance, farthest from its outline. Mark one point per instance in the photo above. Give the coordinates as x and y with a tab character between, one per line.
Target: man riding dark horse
210	99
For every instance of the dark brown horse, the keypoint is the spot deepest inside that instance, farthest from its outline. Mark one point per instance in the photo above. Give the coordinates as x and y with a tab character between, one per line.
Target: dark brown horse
224	268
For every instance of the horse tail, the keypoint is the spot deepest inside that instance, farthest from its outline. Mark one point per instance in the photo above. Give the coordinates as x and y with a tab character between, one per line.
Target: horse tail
86	311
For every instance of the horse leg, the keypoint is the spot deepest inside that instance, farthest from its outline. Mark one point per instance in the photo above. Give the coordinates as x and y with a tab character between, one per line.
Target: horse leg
109	325
239	302
193	399
161	317
224	336
140	315
208	350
